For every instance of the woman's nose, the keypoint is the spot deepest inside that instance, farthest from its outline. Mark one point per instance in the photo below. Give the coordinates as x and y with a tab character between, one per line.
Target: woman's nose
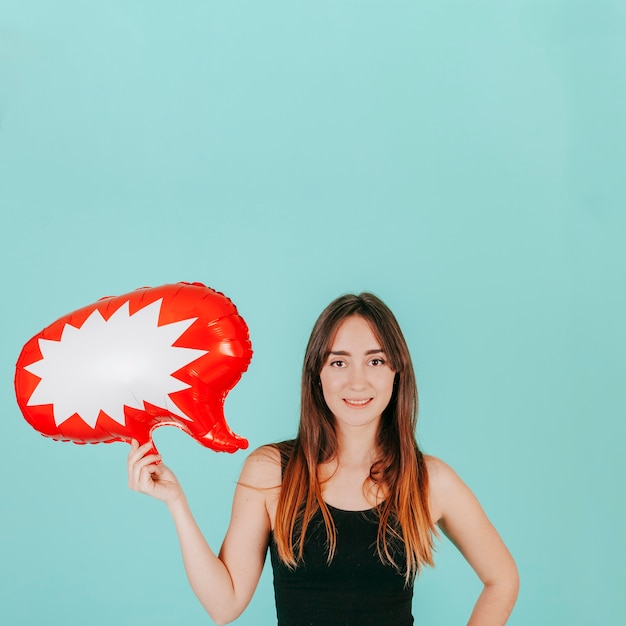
357	378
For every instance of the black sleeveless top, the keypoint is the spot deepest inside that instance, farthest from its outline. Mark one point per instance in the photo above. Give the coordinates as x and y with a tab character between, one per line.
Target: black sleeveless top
355	589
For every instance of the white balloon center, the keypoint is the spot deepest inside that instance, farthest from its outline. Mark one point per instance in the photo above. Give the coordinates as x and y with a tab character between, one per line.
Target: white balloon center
106	365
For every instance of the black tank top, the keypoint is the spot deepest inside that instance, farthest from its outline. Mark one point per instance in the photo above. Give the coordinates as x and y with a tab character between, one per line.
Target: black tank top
355	589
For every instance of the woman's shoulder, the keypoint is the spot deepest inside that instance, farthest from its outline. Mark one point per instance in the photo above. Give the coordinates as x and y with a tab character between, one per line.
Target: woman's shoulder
440	474
437	469
443	483
264	466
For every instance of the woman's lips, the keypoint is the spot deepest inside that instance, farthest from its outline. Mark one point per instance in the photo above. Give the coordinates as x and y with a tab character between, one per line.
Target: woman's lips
357	403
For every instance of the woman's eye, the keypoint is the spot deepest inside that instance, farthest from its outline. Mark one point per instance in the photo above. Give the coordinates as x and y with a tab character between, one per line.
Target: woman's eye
337	363
377	362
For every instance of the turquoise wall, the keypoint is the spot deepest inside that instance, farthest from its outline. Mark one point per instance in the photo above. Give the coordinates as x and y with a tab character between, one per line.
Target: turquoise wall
463	160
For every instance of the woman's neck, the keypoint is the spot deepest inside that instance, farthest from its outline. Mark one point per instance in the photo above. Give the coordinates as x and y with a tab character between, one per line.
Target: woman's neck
345	480
356	446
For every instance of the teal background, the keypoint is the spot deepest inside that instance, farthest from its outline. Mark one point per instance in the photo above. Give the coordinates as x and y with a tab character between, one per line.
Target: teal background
463	160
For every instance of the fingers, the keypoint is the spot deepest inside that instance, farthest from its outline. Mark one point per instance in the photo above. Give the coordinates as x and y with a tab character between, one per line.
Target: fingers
140	467
137	451
140	473
148	475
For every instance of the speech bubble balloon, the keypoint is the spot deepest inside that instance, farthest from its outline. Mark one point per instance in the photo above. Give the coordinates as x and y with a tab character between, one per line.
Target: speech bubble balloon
119	368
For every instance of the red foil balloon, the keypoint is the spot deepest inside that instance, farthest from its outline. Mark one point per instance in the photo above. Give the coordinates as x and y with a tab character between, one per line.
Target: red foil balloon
119	368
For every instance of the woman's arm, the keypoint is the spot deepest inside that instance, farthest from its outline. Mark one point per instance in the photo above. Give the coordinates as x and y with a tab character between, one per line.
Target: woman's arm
460	516
224	584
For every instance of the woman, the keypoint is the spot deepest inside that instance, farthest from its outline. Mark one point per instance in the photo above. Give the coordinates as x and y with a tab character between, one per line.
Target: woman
349	508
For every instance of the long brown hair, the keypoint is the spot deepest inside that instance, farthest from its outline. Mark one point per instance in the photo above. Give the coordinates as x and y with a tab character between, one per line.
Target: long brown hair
404	516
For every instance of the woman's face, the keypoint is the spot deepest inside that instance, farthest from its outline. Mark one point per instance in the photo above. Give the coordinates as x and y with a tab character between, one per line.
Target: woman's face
357	380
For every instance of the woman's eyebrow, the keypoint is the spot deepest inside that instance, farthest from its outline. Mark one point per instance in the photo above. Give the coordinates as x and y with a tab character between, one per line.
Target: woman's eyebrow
344	353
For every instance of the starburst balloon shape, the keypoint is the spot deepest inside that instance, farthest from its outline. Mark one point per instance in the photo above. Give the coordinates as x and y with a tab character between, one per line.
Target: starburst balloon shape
119	368
106	365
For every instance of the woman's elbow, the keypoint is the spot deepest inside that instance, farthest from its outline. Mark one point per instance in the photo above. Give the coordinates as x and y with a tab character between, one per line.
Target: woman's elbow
507	584
224	614
512	577
223	618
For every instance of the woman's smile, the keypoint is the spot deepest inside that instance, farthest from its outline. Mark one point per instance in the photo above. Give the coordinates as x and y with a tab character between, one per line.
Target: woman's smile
357	403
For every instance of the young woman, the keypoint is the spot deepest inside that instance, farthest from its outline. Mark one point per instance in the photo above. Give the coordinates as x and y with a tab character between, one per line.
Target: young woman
349	508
